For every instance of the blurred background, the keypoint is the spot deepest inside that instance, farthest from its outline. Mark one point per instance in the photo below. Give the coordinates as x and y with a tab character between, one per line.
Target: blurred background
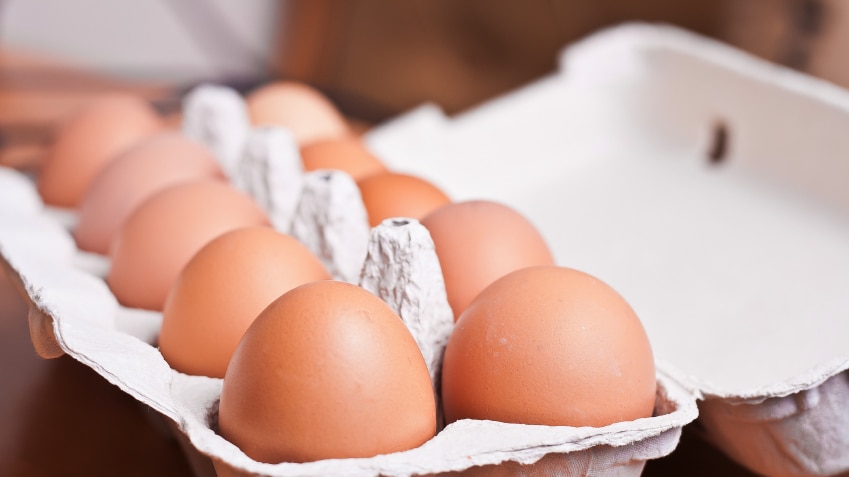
377	58
373	58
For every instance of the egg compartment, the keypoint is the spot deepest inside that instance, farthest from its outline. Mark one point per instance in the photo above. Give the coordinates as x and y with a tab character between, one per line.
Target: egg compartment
710	189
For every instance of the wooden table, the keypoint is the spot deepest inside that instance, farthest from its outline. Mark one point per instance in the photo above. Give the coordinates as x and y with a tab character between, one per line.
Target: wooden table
60	418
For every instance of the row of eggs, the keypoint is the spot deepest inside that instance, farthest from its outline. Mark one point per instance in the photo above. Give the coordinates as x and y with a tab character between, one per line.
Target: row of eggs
314	367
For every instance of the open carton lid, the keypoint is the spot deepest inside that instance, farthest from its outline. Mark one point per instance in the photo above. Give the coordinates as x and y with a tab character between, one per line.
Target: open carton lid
706	186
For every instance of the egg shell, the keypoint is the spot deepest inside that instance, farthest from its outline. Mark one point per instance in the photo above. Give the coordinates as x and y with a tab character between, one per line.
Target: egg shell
87	140
166	230
480	241
394	194
154	163
225	285
328	370
347	154
551	346
298	107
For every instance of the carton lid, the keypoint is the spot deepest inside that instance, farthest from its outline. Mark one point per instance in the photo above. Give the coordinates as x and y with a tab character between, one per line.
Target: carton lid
706	186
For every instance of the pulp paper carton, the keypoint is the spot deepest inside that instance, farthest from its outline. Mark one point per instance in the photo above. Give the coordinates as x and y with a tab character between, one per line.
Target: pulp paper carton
707	187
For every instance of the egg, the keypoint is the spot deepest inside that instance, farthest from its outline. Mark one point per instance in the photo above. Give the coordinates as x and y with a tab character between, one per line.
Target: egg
166	230
347	154
87	140
298	107
480	241
327	370
392	194
225	285
551	346
154	163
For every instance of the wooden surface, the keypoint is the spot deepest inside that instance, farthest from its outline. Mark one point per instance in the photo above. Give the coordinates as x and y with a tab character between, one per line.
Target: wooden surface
60	418
384	57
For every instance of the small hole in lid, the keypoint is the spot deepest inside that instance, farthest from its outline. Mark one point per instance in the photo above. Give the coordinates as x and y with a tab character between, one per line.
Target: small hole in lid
718	151
400	222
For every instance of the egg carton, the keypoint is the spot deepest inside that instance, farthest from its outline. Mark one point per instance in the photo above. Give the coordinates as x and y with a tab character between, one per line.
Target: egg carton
682	173
73	312
711	189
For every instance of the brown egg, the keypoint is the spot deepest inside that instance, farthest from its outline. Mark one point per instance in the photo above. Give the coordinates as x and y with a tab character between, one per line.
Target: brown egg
392	194
552	346
223	288
166	230
298	107
154	163
344	154
88	140
328	370
480	241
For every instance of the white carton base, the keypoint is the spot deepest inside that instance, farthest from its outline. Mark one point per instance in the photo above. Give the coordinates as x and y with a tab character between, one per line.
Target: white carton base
72	311
190	402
